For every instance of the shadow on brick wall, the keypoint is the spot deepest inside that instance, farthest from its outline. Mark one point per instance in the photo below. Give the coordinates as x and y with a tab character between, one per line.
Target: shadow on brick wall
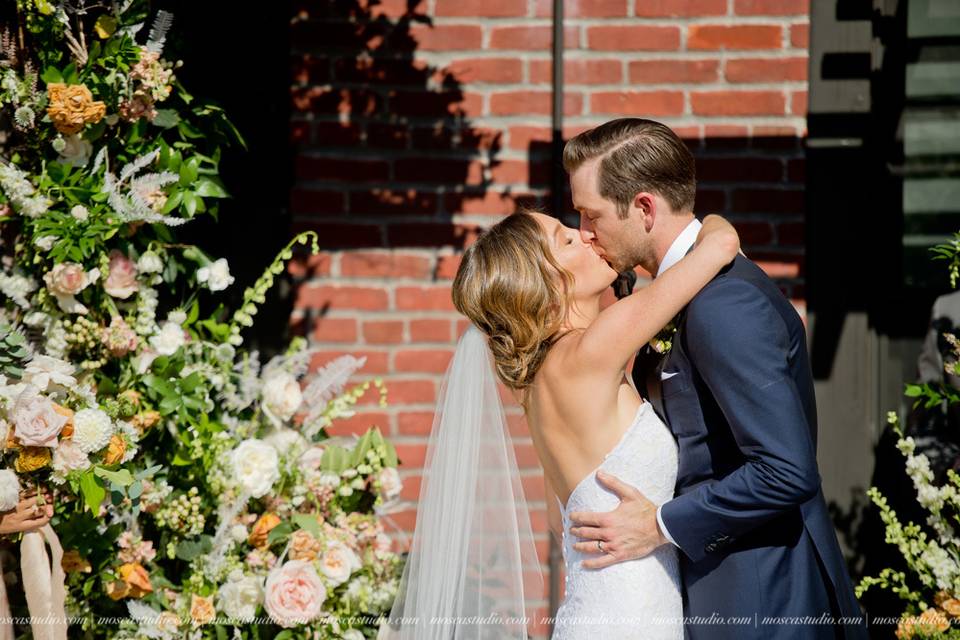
386	151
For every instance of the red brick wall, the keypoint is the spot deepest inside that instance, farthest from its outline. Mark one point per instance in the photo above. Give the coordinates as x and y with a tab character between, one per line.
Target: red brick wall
419	122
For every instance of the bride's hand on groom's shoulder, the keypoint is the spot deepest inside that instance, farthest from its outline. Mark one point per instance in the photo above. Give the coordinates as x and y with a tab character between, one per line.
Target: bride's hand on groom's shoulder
628	532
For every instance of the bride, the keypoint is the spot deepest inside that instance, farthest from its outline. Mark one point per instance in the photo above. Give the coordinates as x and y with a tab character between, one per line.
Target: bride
532	288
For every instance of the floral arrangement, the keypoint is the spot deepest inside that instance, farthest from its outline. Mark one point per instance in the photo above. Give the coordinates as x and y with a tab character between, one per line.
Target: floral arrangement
931	590
196	492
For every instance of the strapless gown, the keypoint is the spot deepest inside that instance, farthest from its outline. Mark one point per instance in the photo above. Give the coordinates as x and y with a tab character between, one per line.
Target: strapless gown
637	599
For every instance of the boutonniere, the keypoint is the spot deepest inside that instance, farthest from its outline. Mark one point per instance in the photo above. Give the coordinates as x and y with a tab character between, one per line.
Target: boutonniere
663	341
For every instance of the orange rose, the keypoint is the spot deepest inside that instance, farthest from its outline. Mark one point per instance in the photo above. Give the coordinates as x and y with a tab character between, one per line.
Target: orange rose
72	106
115	449
72	562
951	606
136	580
31	459
261	529
67	430
201	610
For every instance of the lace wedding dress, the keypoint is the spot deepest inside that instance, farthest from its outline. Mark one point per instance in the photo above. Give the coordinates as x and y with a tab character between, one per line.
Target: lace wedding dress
633	599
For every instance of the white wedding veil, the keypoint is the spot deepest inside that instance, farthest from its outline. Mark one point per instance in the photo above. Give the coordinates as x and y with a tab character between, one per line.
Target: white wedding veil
473	545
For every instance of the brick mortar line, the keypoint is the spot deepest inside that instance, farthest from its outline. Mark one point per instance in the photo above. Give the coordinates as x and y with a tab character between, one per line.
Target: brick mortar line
446	57
686	120
578	22
625	86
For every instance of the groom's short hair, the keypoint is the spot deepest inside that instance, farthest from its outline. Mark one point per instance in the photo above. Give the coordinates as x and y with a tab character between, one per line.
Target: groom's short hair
636	155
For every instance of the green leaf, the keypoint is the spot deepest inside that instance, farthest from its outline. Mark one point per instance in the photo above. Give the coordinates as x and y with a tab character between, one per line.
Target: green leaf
210	189
334	459
391	457
166	118
279	532
190	549
122	477
913	391
93	492
191	382
308	523
51	75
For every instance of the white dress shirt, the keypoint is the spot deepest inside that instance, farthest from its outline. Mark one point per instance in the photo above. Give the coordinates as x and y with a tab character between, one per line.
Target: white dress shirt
679	248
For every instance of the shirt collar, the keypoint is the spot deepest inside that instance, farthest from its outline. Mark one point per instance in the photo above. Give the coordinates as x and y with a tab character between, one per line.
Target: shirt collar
681	245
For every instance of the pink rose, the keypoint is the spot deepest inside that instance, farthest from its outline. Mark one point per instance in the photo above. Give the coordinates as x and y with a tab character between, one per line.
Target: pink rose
66	279
310	459
37	423
121	282
294	594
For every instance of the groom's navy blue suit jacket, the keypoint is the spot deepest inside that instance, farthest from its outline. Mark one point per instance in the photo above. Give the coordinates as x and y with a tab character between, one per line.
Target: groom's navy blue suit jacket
749	515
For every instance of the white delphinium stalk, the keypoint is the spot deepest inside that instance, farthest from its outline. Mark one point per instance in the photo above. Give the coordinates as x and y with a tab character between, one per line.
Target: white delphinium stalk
18	287
21	193
146	321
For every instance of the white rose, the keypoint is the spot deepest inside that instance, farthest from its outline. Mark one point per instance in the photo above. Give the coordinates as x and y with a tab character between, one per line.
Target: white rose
281	396
9	490
4	431
390	483
216	275
168	339
256	466
239	598
338	562
353	634
149	262
92	429
80	213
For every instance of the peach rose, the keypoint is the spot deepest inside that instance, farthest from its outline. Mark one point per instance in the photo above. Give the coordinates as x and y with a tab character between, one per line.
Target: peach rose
67	430
115	449
304	546
201	610
72	106
261	529
294	594
121	279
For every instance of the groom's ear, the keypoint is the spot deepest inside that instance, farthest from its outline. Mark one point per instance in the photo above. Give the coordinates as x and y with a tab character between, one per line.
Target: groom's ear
645	205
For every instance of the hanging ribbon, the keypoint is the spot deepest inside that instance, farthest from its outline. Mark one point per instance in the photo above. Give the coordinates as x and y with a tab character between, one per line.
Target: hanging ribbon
44	584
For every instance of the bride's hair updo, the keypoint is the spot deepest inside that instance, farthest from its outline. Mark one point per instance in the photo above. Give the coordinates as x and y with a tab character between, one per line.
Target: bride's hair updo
511	287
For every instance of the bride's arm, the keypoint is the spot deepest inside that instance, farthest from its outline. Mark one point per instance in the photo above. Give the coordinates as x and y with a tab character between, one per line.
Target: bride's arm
627	325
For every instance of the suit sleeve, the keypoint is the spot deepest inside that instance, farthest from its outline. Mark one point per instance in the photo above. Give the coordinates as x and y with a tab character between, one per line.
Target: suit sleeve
741	348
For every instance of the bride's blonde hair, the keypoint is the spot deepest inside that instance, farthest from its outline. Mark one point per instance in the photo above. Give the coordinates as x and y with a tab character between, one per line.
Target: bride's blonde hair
513	289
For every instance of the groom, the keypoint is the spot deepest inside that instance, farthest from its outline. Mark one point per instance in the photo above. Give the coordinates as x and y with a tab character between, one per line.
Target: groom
759	554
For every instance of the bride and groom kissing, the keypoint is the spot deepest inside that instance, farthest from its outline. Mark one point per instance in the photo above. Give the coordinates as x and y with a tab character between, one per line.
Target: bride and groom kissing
685	492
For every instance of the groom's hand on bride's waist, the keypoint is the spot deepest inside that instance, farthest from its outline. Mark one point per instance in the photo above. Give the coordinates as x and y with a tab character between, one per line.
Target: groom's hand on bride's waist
628	532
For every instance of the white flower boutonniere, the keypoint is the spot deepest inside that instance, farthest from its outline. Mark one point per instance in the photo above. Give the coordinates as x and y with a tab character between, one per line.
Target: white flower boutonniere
663	341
